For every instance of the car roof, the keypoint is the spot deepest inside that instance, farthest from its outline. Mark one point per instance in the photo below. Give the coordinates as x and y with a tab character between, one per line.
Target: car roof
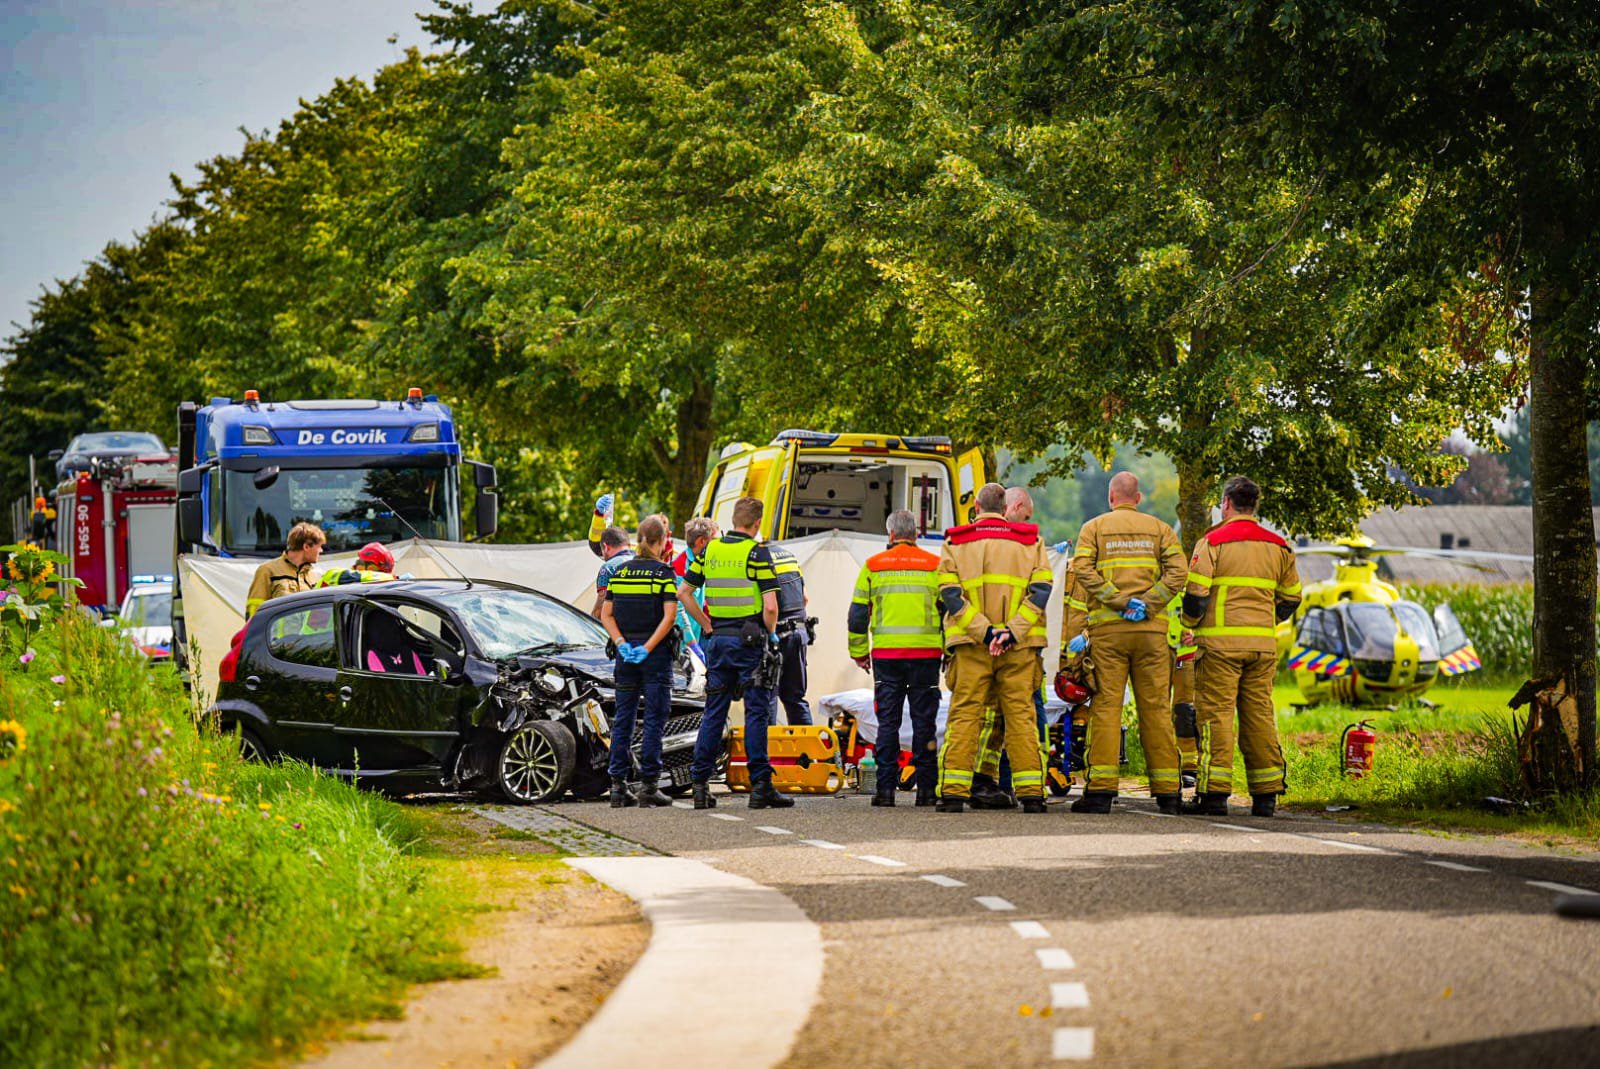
418	588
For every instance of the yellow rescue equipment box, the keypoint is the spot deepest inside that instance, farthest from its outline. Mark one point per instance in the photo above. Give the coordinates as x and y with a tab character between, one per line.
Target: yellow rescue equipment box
805	759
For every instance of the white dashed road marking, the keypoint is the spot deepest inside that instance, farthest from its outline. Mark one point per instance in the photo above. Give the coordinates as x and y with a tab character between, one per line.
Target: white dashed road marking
773	831
1055	958
993	902
1454	867
943	881
886	862
1559	888
1349	846
1072	1044
1233	827
1069	996
822	844
1030	930
723	816
682	805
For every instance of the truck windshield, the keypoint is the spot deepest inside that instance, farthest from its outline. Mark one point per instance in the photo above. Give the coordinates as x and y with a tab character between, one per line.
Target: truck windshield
351	505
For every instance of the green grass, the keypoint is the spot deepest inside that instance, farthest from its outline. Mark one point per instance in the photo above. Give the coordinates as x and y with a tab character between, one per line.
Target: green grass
162	902
1433	767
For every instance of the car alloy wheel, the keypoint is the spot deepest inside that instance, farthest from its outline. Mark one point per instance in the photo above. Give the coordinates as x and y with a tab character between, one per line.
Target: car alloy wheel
251	748
536	762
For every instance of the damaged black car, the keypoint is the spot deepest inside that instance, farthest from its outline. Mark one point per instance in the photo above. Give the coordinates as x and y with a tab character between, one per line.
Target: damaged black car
426	685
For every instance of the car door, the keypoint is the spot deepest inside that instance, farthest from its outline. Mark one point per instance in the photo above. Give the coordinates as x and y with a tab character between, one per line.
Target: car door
397	710
292	676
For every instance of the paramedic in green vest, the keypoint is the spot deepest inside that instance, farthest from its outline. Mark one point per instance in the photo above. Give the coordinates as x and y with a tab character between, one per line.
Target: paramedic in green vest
739	622
896	633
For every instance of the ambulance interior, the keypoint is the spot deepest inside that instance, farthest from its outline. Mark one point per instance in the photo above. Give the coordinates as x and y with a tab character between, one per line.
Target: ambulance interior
833	493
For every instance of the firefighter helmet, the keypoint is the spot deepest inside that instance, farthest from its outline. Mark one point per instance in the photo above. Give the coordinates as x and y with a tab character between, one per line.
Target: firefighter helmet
377	555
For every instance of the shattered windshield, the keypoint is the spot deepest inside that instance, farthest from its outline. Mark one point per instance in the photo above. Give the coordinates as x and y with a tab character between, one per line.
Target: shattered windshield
507	622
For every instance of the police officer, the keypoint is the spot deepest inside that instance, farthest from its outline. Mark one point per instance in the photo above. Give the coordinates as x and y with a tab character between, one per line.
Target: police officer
994	585
640	610
374	564
895	634
1242	583
1076	670
1131	565
289	573
737	623
794	634
615	551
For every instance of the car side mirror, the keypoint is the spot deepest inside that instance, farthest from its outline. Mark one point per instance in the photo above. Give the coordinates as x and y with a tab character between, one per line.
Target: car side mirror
109	621
55	454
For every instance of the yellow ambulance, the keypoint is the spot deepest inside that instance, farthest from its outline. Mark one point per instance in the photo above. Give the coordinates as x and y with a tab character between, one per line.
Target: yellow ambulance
812	482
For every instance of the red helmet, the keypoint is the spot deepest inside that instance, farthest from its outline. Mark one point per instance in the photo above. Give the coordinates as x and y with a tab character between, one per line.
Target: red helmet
376	553
1070	690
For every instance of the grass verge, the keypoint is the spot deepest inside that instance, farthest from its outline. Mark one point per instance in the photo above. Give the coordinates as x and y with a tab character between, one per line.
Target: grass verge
165	903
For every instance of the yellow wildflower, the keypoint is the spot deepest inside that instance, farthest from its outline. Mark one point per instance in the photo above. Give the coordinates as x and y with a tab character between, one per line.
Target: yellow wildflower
263	806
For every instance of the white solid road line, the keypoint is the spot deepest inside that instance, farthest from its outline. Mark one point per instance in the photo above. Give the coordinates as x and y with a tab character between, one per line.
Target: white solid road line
1069	996
1072	1044
1232	827
886	862
682	805
993	902
773	831
723	816
1054	958
701	919
822	844
1559	888
1030	930
1348	845
943	881
1454	867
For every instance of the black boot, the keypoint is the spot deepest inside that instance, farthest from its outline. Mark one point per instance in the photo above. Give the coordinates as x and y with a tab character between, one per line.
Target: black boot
1263	805
926	796
764	796
620	798
950	804
1208	804
1170	804
882	798
1094	802
1033	805
702	795
650	796
986	794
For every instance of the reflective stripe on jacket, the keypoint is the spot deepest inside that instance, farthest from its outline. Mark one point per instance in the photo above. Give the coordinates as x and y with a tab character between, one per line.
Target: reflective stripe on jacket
1242	580
897	600
994	574
1125	554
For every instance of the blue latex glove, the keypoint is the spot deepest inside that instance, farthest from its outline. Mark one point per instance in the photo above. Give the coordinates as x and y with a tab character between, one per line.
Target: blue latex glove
604	504
695	648
1135	611
772	637
1078	644
637	654
1061	547
625	652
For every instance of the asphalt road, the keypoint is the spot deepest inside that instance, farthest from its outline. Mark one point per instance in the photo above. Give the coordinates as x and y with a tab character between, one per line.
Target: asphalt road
1007	939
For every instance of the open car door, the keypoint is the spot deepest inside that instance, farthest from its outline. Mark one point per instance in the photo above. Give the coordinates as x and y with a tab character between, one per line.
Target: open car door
1456	655
969	476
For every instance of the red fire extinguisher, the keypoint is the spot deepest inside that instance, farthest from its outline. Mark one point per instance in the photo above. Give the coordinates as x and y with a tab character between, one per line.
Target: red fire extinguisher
1357	744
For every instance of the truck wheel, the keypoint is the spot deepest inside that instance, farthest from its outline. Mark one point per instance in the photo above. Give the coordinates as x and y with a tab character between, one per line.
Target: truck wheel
536	762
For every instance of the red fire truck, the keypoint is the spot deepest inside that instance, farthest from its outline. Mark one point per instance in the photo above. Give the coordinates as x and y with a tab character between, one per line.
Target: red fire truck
115	521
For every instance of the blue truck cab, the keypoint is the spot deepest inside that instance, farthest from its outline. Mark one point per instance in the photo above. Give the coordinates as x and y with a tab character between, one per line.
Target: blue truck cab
362	470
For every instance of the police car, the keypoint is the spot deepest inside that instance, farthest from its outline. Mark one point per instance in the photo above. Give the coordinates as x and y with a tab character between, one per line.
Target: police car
145	616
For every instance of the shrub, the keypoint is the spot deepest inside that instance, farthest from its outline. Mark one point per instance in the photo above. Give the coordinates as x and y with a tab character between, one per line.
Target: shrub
165	903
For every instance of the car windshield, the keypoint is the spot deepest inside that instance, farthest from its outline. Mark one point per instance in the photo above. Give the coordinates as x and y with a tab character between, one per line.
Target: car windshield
507	622
351	505
148	609
94	443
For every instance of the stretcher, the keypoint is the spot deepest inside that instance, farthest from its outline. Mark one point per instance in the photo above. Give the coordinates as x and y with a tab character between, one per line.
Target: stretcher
804	758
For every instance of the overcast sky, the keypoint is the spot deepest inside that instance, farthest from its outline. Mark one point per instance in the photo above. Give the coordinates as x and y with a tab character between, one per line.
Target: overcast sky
100	101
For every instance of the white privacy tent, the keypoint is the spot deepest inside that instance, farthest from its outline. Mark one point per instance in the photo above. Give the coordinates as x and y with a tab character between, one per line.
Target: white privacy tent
214	591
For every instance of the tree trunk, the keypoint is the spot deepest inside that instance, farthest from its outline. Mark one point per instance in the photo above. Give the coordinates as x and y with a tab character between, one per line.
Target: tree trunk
1195	491
1563	524
696	432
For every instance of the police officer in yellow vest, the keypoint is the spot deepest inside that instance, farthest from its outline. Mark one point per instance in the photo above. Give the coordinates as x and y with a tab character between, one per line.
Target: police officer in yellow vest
994	584
794	634
1131	565
1180	640
1242	583
895	633
739	622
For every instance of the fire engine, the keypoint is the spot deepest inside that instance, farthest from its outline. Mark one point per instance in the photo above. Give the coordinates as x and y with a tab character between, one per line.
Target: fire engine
114	521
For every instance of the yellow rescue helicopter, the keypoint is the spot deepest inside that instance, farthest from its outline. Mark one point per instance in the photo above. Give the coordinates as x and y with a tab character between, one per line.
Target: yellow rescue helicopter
1355	640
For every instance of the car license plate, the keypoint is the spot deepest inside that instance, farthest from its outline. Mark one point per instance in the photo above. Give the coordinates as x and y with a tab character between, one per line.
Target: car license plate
680	776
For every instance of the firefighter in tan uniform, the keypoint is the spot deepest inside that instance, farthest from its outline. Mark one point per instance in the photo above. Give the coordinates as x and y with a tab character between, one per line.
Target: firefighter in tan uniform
1131	565
1242	582
994	585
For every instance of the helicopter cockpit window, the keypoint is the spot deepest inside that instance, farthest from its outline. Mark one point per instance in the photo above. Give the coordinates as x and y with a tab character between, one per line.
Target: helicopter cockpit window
1452	636
1321	631
1419	625
1372	629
